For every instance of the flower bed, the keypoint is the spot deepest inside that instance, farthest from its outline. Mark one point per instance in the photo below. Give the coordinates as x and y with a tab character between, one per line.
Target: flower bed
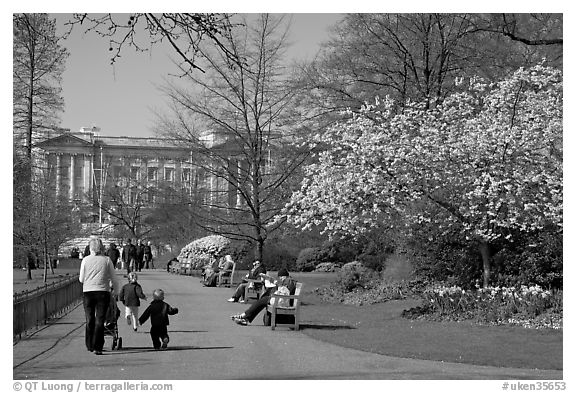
526	306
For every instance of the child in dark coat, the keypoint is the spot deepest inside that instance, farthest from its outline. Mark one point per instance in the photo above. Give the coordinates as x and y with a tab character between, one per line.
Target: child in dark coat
130	295
158	312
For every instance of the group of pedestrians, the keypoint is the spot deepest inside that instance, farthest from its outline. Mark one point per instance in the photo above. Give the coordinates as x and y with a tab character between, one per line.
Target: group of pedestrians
100	282
137	256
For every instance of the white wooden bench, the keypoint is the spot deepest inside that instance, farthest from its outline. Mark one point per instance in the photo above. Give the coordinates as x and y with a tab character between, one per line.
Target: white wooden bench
294	309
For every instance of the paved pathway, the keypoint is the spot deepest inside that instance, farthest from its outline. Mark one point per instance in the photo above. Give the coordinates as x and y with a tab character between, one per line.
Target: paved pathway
206	344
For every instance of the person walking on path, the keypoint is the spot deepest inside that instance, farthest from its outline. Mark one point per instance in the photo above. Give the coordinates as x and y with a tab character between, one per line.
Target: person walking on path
113	253
96	274
158	312
130	296
148	256
129	256
139	255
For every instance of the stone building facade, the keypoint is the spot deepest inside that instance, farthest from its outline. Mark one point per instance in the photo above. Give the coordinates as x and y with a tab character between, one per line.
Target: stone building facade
83	165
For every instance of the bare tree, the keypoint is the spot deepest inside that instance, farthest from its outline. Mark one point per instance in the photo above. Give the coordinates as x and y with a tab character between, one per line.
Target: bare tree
126	198
50	222
183	32
38	63
418	56
529	29
243	105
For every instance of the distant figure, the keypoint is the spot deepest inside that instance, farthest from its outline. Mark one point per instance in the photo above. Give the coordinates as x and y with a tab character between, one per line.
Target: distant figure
129	256
225	267
158	312
130	296
170	262
96	274
139	255
113	253
148	256
210	273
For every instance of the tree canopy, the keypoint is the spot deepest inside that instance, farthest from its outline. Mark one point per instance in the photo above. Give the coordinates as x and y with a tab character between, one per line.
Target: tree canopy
487	160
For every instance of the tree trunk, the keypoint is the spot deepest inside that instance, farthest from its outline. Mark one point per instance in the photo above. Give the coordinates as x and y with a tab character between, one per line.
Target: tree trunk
46	262
259	251
485	252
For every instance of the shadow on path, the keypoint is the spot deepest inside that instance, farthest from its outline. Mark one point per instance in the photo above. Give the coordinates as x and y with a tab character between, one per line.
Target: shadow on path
131	350
325	327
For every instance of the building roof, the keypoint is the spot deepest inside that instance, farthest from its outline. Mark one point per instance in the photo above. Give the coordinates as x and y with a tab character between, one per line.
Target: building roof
87	139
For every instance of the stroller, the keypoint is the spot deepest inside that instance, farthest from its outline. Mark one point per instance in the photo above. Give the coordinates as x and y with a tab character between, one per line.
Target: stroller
111	324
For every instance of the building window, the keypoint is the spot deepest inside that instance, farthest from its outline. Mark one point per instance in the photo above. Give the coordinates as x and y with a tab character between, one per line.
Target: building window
134	173
152	174
168	174
116	172
78	170
151	196
133	196
186	175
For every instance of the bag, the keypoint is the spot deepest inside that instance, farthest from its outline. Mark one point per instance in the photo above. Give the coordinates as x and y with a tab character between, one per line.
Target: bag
283	290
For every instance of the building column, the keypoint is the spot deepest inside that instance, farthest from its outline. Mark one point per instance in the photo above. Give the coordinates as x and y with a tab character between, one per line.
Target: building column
178	174
125	164
72	170
58	174
86	177
144	169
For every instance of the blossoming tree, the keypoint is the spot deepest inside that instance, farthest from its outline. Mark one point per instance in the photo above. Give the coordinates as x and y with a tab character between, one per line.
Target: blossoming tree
486	161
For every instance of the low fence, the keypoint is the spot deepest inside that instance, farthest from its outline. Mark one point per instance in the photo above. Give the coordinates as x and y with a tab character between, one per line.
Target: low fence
34	308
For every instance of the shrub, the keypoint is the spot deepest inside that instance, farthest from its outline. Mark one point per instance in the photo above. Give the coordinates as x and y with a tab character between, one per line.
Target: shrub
381	291
204	250
534	259
355	275
277	256
326	267
448	259
517	258
309	258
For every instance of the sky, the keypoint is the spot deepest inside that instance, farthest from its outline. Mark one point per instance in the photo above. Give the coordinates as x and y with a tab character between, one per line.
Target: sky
121	99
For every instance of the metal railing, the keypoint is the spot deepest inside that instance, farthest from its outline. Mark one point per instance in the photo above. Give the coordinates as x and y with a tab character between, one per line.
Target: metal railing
34	308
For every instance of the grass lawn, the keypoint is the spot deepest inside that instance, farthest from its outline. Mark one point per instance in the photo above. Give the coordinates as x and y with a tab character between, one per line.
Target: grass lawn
379	328
21	282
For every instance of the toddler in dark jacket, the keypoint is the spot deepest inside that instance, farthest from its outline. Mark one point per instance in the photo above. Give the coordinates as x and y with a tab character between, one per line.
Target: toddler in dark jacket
130	295
158	312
